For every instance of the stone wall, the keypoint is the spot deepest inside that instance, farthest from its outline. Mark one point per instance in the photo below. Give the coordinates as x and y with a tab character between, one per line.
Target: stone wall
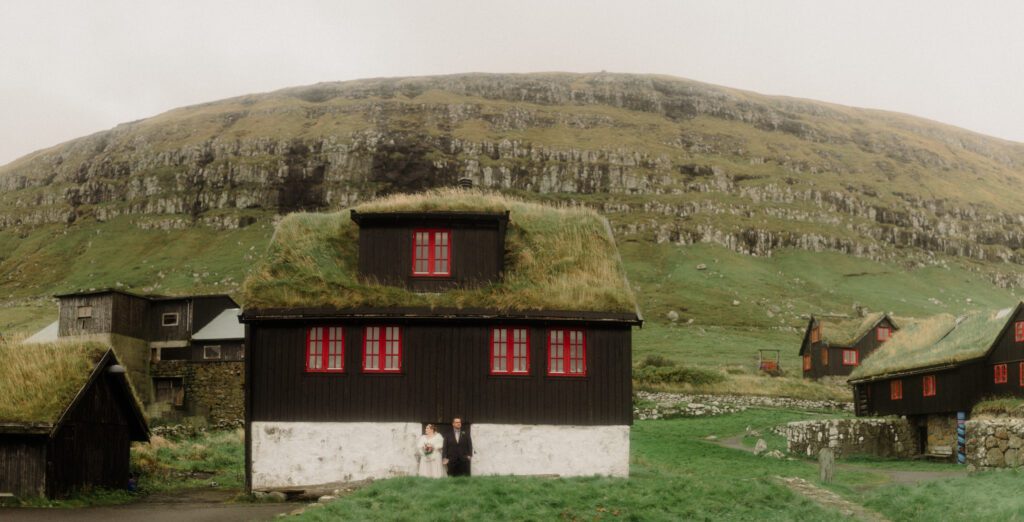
214	390
995	443
882	437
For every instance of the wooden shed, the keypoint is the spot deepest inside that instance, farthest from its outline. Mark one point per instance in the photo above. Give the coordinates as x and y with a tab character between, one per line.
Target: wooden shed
514	316
835	345
942	366
66	421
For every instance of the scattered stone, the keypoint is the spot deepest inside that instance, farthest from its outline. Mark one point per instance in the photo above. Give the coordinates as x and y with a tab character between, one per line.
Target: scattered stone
711	437
775	454
277	496
326	498
672	315
735	302
702	266
760	447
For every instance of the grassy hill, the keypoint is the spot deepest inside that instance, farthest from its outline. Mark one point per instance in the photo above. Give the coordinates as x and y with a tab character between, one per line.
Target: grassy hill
794	206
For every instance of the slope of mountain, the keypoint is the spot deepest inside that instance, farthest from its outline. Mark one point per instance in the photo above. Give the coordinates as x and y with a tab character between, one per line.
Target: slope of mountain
182	200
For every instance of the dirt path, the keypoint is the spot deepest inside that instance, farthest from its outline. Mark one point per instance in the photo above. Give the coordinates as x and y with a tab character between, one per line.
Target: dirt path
830	500
196	505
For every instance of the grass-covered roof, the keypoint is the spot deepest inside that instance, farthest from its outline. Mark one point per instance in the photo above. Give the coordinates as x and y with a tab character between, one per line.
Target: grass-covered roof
556	258
935	341
837	331
39	381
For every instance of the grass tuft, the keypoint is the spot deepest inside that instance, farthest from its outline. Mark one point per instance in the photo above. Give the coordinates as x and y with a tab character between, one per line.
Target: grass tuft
39	381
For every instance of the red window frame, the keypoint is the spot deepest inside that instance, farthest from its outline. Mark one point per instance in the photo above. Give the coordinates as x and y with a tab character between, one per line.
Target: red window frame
807	363
325	349
856	357
510	351
824	356
815	334
432	249
896	390
1020	372
1018	331
928	386
883	333
378	337
561	362
999	373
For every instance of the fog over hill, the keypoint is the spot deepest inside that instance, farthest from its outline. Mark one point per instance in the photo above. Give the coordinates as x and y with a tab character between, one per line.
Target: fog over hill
670	161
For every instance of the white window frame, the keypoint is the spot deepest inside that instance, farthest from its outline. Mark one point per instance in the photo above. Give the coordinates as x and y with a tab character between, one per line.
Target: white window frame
163	319
206	347
84	312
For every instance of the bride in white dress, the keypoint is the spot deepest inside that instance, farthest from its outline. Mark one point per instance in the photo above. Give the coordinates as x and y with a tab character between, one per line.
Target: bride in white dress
428	451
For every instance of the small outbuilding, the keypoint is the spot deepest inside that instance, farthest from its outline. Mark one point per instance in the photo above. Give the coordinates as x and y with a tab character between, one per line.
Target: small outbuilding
67	419
835	345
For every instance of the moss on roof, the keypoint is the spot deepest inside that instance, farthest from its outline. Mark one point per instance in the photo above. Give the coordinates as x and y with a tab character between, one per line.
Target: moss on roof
846	332
556	258
39	381
934	341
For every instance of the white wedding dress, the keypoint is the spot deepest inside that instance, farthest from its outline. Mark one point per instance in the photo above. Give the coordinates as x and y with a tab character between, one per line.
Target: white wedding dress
430	463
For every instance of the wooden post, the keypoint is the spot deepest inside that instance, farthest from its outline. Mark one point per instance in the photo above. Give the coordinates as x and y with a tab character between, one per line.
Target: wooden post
826	464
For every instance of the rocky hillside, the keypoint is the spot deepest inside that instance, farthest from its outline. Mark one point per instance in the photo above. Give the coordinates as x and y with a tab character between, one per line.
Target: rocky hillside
670	161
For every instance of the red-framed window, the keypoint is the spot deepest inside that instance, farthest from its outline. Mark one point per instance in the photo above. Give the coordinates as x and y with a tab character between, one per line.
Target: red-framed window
824	356
510	351
1018	330
815	334
928	385
567	352
325	349
807	363
1020	372
382	349
883	333
896	389
851	358
999	372
431	253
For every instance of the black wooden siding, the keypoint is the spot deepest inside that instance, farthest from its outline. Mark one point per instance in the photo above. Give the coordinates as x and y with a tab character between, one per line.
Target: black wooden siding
111	313
477	255
1005	351
179	332
865	347
956	389
23	465
445	372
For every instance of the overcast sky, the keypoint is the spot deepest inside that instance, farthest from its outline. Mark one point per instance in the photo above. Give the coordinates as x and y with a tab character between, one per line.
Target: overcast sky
75	67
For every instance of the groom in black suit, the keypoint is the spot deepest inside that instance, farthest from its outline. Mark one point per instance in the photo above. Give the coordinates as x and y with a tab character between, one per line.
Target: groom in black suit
458	450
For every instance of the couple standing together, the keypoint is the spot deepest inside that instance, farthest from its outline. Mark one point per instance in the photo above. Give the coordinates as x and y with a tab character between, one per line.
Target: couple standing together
454	450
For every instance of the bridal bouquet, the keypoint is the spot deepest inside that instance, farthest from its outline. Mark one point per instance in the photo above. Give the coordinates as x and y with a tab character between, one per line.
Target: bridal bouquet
428	449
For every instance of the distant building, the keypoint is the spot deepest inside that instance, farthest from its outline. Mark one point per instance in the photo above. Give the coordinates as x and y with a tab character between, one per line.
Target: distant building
516	317
937	369
836	345
51	447
184	354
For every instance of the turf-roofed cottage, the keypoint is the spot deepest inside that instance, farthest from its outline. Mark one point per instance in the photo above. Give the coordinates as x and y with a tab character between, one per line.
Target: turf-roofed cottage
365	324
67	419
938	368
836	345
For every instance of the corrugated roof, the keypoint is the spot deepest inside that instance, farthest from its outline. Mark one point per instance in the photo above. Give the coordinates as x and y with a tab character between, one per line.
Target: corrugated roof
224	326
935	341
46	335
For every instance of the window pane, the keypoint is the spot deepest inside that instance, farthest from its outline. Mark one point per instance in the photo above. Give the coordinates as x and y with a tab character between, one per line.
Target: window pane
392	346
315	349
556	358
335	349
372	348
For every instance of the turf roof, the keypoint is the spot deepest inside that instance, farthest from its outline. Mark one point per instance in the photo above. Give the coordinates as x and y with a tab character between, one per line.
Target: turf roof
846	332
556	258
39	381
935	341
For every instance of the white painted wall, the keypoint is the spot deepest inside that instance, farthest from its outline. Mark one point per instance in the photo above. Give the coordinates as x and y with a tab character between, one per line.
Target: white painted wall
289	454
569	451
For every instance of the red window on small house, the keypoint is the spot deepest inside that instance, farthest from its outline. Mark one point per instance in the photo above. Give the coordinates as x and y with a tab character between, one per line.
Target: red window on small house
807	363
1018	330
824	356
815	334
510	351
567	353
896	390
1000	373
884	333
382	349
325	349
928	385
850	358
431	253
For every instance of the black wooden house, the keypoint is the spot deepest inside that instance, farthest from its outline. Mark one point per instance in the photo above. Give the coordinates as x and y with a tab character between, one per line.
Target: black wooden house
430	313
834	346
68	431
937	369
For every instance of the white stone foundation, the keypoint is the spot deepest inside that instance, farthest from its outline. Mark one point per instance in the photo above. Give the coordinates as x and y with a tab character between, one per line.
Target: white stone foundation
291	454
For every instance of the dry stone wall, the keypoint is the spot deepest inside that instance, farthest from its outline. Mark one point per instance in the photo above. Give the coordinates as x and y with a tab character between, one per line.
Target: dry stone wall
995	443
882	437
214	390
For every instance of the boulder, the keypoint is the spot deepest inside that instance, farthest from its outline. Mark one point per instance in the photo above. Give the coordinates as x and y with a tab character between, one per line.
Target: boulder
760	447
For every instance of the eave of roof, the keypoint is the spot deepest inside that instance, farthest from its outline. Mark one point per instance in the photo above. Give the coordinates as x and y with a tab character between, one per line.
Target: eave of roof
426	314
398	217
151	297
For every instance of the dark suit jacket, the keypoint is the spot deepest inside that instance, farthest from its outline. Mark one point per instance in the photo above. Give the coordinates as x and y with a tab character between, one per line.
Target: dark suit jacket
457	451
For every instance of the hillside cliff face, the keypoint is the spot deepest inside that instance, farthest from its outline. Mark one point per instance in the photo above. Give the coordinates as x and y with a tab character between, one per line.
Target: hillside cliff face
668	160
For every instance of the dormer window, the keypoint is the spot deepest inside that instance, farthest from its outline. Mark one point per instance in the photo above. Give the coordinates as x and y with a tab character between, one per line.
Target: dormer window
432	253
884	333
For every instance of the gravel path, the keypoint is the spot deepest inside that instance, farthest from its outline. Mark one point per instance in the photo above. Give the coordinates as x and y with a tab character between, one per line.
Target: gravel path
830	500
